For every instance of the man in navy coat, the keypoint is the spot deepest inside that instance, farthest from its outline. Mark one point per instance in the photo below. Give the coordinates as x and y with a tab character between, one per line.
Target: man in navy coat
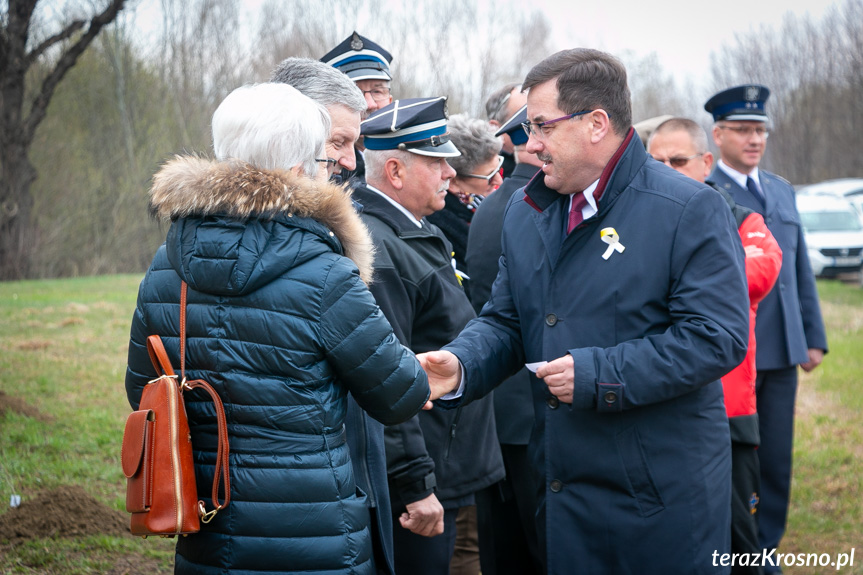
621	283
789	331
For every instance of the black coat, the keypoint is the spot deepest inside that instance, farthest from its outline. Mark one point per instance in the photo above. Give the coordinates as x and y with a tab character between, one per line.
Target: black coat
416	287
513	404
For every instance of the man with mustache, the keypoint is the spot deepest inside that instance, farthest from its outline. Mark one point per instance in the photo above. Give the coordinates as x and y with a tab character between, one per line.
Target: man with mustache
621	284
439	459
790	330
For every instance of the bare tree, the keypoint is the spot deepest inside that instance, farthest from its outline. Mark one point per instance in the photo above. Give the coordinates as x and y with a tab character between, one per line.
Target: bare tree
20	115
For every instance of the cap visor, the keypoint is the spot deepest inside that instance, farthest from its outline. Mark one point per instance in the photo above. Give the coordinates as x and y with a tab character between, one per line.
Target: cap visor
368	74
445	150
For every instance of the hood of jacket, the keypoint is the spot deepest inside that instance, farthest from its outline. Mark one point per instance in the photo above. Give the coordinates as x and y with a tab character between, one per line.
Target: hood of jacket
236	227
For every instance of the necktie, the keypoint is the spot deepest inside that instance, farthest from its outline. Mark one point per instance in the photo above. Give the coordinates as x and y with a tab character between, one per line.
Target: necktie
753	189
575	216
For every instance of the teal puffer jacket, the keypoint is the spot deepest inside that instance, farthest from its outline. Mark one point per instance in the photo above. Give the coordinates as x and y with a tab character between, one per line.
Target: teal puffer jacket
281	323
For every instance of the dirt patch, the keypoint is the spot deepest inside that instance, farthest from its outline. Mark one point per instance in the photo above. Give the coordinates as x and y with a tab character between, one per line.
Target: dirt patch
34	345
17	405
67	511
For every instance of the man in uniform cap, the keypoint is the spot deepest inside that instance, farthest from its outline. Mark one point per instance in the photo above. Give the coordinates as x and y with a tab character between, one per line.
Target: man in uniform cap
506	510
368	65
789	331
439	459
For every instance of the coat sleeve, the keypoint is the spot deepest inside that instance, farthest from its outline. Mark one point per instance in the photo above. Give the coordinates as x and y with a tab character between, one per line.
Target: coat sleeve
410	468
708	331
139	368
763	257
383	376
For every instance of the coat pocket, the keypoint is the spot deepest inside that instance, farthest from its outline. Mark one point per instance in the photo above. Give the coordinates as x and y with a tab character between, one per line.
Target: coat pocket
641	483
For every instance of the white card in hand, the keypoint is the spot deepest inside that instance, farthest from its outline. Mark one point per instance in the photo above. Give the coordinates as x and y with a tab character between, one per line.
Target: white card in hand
535	366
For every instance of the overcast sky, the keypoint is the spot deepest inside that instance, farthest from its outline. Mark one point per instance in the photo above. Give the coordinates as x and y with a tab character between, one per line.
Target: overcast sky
683	33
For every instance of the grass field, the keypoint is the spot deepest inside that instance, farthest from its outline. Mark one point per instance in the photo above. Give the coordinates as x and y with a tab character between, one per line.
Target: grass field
62	369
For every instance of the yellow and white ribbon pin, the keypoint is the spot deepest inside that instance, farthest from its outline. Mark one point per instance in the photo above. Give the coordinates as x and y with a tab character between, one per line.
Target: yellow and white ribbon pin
609	236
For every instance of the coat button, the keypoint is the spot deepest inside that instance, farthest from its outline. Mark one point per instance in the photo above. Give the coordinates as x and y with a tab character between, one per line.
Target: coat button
550	320
610	397
552	402
555	485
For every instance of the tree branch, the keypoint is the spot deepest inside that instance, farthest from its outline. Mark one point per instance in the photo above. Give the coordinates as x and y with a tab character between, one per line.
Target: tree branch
59	37
64	64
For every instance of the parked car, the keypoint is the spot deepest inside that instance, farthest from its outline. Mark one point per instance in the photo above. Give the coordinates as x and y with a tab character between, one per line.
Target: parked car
849	188
834	234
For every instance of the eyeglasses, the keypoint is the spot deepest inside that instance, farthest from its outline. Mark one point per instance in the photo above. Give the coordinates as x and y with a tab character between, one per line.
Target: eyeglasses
328	161
539	130
678	161
378	94
488	178
747	131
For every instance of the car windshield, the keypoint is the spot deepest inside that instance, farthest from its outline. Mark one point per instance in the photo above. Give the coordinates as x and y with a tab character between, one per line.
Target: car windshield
831	221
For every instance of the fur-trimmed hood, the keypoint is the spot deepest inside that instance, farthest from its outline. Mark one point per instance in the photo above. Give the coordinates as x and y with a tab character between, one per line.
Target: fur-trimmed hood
191	186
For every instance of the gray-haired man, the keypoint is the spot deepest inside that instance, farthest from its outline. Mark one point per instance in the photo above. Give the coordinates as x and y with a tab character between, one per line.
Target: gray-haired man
339	95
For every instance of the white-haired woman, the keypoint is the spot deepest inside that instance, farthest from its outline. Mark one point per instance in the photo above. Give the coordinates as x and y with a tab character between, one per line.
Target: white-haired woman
478	173
280	322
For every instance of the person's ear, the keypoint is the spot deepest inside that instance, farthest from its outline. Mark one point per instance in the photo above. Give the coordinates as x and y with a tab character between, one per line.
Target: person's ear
395	171
600	125
708	163
716	139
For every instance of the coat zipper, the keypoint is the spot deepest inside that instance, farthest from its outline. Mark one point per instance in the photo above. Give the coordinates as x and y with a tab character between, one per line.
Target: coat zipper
451	437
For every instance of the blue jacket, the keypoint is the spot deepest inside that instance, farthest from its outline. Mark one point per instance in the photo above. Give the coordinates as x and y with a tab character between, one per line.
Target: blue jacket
789	317
280	322
636	471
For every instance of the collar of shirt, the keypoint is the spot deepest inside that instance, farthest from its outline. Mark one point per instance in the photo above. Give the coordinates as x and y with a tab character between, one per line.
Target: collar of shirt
397	205
589	208
740	177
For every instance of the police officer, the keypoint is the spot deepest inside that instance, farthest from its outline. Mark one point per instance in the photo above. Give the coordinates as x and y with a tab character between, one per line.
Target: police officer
789	331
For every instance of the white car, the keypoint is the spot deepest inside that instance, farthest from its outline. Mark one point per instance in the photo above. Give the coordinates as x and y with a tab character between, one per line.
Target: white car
834	234
849	188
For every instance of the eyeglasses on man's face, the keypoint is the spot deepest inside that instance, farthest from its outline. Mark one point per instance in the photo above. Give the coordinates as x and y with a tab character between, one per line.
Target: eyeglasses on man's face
328	161
489	177
678	161
748	131
543	129
379	94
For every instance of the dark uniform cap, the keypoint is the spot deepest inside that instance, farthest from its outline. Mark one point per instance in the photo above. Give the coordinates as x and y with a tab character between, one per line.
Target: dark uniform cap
417	125
513	127
360	59
739	103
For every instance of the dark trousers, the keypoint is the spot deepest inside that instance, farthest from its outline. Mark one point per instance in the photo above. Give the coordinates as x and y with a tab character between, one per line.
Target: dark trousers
745	478
418	555
506	513
776	391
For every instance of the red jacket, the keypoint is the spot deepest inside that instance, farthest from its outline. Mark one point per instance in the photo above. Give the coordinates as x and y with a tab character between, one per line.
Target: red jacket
763	261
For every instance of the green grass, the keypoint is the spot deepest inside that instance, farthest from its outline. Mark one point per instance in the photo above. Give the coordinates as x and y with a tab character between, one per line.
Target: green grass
64	353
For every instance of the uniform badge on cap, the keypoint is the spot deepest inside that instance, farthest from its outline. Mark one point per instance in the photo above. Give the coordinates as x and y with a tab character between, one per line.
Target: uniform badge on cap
417	125
356	42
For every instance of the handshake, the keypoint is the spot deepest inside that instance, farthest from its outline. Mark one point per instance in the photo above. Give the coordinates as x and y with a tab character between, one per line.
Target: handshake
445	375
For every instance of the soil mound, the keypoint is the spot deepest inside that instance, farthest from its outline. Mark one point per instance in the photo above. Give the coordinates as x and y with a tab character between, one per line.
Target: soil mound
63	512
10	403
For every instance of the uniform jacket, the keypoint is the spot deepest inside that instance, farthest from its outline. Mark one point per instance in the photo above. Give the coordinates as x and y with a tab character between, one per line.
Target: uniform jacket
789	317
280	322
416	287
763	260
513	406
636	470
